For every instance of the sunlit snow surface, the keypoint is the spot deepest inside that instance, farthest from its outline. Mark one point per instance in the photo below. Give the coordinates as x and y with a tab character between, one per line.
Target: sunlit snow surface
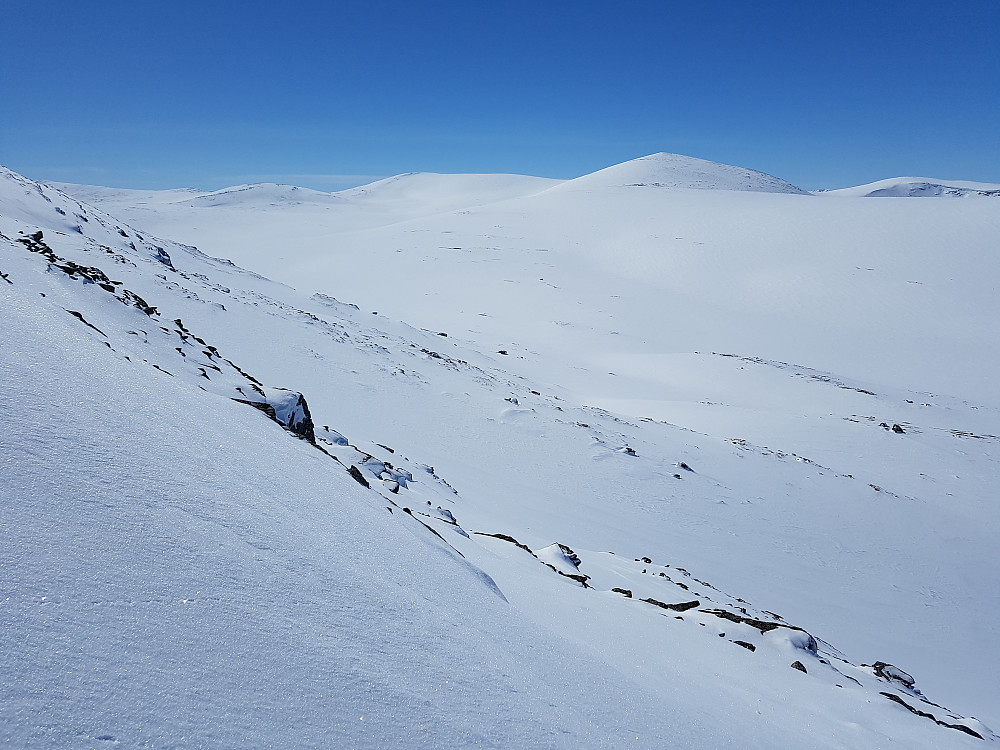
688	409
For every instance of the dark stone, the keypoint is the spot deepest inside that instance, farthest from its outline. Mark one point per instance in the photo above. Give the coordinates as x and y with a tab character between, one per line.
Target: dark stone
261	405
83	320
304	426
746	645
896	428
911	709
573	557
799	666
510	539
682	607
578	577
762	625
162	257
892	673
624	592
354	472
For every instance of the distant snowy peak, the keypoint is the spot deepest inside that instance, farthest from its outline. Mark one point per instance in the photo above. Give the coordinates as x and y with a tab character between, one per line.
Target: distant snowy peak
431	187
919	187
109	197
684	172
261	195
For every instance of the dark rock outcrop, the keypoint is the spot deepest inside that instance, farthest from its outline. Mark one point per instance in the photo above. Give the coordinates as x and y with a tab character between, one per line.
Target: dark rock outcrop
682	607
358	476
924	714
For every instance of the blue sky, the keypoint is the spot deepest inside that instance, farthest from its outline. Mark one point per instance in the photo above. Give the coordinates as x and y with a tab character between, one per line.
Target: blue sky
327	94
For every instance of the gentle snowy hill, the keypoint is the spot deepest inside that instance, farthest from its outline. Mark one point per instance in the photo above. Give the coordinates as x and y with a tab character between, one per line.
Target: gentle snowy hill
261	195
686	172
441	192
919	187
110	197
607	535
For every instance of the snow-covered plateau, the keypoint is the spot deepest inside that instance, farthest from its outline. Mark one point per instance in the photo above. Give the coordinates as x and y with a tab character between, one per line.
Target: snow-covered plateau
675	454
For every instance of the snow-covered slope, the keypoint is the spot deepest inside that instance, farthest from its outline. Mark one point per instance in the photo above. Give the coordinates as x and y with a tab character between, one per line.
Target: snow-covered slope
919	187
124	197
472	522
685	172
260	196
428	193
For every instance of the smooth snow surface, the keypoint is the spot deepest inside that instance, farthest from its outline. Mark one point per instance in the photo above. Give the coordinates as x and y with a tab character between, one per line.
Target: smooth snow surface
676	171
920	187
604	466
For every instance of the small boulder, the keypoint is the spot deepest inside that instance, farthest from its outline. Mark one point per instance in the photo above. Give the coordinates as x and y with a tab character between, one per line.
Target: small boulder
292	412
358	476
893	674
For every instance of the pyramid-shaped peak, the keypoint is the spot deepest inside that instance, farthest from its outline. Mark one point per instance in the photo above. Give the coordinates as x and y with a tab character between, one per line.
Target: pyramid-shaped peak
664	170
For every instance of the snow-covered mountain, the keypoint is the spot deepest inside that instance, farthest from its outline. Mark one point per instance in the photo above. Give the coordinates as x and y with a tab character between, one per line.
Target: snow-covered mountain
920	187
599	472
686	172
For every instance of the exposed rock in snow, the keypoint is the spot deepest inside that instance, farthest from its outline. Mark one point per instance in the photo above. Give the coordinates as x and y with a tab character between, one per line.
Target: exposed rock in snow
291	411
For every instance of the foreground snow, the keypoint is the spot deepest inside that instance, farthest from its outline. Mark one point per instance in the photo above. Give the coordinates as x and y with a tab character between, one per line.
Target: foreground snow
520	569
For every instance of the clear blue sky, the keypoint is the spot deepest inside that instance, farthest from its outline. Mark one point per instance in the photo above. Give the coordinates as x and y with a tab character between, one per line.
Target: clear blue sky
211	93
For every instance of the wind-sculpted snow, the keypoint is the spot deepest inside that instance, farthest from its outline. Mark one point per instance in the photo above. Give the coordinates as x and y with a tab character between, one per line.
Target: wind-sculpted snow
465	553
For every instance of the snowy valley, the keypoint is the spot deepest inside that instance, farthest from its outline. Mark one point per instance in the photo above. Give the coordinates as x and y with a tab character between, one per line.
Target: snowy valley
674	454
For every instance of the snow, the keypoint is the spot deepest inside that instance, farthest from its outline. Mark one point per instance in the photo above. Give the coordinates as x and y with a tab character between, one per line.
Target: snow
168	585
683	172
210	578
919	187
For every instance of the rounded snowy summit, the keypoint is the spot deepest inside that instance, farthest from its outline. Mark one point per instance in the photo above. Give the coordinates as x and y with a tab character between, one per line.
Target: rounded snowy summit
686	172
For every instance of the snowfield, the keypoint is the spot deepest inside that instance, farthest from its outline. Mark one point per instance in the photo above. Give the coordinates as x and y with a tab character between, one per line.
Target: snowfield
920	187
671	455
